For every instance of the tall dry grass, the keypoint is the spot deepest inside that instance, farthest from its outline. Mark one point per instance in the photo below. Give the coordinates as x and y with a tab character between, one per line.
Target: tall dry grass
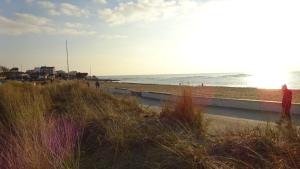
185	112
31	136
70	126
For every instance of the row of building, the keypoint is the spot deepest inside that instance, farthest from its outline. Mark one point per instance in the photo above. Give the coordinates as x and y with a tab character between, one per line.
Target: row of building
41	73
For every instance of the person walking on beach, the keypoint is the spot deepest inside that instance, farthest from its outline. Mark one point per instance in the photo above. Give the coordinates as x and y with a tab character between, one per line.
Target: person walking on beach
97	84
286	104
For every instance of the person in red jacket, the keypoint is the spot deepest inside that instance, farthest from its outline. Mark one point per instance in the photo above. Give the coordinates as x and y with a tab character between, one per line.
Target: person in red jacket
286	104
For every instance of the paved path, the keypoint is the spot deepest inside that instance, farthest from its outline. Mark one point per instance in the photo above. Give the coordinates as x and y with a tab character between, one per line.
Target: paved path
222	118
227	112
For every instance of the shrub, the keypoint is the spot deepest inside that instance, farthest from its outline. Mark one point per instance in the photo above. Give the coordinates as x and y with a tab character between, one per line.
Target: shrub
184	111
257	148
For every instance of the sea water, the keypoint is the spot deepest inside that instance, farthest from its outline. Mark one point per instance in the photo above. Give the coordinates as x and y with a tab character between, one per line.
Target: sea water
272	81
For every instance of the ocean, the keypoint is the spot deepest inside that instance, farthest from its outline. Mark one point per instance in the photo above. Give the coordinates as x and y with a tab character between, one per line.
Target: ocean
267	80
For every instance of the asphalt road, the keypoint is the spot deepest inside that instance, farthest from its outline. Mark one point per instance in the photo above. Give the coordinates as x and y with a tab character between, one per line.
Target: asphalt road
222	118
227	112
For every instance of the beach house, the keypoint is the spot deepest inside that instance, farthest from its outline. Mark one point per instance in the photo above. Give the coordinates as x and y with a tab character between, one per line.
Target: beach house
14	74
47	72
60	74
77	75
42	73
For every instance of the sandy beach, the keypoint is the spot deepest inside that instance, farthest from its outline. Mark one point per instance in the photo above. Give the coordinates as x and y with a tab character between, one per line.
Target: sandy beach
210	91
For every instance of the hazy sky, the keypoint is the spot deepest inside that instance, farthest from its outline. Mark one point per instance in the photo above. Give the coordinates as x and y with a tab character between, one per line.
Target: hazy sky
152	36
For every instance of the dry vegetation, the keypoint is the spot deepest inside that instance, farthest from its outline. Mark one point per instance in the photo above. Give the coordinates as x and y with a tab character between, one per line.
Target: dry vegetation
70	126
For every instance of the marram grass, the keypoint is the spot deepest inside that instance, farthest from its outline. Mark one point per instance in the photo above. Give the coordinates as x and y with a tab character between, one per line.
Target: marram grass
70	126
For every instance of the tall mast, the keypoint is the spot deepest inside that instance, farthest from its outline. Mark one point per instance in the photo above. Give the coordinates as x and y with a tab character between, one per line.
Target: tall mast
90	71
67	57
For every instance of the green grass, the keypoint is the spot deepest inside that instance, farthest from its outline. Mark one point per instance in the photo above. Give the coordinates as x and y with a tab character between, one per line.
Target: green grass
69	126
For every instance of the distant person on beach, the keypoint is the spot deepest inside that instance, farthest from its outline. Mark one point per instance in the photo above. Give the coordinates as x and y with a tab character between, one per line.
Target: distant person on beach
286	104
88	84
97	84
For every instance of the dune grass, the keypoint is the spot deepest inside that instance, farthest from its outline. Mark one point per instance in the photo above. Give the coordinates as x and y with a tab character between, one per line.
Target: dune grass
71	126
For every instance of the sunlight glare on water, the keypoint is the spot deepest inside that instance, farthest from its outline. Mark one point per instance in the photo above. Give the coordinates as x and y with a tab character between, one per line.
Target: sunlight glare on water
269	80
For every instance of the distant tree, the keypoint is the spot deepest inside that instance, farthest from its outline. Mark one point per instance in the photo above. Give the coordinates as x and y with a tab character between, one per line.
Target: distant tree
3	69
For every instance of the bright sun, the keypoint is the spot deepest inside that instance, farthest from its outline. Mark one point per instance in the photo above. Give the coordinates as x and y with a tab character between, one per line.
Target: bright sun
228	36
269	79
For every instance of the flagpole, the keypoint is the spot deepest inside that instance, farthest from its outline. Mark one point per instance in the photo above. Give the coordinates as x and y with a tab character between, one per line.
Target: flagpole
67	58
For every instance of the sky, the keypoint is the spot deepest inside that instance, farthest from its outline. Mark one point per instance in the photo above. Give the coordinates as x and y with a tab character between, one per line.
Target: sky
119	37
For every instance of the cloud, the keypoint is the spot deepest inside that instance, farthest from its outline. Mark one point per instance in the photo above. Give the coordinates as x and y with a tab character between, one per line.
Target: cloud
72	10
29	1
146	10
63	9
73	31
113	36
76	25
46	4
100	1
24	23
31	19
50	7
